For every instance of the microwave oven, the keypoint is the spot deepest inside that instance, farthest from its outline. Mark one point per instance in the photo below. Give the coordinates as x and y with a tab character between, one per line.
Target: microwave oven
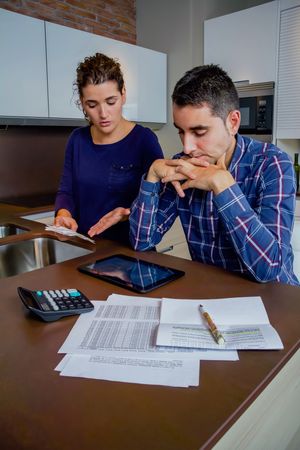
256	107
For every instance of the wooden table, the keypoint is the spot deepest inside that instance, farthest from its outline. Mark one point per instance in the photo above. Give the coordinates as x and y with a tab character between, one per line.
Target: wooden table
40	410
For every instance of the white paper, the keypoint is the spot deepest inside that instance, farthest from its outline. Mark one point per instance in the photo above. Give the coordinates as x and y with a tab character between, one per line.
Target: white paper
67	232
130	299
60	366
179	373
128	329
243	322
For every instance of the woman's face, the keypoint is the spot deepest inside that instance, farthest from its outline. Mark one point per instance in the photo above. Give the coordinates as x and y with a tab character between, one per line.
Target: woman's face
102	104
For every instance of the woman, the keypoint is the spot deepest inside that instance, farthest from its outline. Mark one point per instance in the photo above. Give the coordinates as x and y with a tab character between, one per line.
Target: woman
105	160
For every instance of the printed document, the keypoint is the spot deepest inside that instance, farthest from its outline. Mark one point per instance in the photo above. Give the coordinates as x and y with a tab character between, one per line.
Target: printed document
127	328
92	329
177	373
242	321
116	342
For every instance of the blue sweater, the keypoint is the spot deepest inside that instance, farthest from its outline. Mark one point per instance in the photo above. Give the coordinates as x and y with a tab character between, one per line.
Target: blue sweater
98	178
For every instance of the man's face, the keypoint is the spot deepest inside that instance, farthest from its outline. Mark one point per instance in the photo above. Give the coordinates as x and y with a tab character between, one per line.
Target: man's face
203	135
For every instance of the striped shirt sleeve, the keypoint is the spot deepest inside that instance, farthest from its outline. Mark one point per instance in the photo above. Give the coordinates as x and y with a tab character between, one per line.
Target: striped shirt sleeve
261	236
152	214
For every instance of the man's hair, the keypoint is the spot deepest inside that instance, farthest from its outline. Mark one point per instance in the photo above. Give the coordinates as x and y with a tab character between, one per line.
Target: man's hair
207	85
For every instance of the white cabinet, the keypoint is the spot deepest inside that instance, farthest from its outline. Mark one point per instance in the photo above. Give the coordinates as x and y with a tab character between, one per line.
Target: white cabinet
66	47
23	78
38	68
244	43
288	85
144	73
151	86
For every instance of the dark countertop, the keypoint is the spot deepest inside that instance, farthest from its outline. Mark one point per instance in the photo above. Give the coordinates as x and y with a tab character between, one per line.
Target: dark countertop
10	210
41	410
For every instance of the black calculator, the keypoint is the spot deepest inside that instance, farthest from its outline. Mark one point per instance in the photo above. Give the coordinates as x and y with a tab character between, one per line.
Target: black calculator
54	304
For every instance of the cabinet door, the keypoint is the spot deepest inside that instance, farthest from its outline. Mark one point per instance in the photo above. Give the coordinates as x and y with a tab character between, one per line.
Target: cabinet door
288	92
152	86
23	80
66	47
244	43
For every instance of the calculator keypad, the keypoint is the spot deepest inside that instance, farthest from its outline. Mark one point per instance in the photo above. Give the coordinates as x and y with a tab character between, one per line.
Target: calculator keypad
62	300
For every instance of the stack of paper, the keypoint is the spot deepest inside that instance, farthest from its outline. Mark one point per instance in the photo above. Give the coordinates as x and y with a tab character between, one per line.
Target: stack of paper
116	342
154	341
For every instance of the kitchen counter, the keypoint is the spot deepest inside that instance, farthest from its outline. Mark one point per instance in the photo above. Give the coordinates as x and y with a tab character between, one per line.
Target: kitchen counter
41	410
9	210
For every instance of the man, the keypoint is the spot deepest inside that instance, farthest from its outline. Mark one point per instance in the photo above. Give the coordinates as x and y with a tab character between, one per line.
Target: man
235	196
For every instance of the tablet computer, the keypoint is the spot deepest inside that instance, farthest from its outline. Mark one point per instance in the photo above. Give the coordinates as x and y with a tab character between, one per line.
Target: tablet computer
131	273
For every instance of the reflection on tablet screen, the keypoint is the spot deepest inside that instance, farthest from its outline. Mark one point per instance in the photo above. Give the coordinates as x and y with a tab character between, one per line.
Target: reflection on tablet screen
131	272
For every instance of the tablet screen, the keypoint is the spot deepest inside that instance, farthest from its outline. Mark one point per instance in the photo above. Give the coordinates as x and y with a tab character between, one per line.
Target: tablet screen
133	273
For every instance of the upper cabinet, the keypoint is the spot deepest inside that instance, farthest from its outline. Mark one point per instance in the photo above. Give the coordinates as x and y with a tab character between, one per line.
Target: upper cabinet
23	77
66	47
144	73
244	43
151	85
40	69
288	84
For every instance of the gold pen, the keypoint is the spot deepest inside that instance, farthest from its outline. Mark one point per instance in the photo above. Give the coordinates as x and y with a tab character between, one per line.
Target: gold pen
212	327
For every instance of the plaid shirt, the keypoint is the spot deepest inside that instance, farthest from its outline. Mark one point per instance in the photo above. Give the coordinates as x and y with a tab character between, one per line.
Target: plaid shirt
245	229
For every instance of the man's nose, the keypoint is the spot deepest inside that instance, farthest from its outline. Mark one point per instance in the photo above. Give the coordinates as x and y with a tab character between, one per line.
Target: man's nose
188	144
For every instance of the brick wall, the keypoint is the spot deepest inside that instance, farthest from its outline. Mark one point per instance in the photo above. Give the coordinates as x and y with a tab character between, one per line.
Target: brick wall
115	19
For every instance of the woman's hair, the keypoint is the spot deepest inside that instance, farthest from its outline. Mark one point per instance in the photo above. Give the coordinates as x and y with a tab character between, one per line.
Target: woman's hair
209	85
97	69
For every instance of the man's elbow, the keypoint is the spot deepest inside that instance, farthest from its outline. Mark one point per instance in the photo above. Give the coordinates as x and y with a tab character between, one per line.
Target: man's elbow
138	245
266	276
142	247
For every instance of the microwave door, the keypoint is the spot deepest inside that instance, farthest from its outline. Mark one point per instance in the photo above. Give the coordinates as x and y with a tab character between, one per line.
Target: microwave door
265	114
248	108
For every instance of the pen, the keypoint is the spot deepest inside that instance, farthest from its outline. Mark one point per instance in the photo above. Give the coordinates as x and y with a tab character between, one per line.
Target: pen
213	329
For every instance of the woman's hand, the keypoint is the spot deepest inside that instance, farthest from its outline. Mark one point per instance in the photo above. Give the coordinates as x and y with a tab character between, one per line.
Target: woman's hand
116	215
64	219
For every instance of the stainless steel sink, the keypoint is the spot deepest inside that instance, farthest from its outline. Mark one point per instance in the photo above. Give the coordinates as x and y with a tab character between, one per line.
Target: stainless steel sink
10	229
24	256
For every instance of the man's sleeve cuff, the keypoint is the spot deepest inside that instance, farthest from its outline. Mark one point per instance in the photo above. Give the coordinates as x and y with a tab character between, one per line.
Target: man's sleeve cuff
150	188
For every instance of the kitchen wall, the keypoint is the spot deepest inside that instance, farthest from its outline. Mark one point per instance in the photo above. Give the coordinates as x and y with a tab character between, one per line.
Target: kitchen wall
176	28
111	18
